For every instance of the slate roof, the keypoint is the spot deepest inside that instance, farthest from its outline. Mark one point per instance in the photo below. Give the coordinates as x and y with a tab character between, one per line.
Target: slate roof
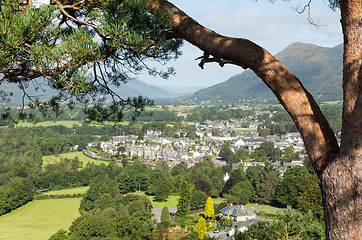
236	211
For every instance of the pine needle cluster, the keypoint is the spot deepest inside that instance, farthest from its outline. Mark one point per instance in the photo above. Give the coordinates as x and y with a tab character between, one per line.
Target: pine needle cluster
84	50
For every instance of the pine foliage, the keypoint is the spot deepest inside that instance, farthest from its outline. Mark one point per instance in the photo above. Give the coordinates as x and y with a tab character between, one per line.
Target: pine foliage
165	217
184	200
83	50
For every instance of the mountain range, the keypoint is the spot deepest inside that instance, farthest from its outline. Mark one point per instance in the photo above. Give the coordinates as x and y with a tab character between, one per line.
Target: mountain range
132	88
318	68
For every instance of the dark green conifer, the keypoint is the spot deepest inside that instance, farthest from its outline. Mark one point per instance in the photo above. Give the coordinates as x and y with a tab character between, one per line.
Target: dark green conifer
183	204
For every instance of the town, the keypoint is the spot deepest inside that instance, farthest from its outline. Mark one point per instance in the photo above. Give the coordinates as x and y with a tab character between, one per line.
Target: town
248	160
153	147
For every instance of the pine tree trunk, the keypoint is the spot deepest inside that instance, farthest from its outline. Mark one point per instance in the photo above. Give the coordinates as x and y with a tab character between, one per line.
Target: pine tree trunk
341	191
341	181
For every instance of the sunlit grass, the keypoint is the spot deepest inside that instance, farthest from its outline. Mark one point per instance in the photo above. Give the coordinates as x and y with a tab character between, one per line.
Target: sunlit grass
51	159
172	201
70	191
66	123
263	208
38	220
332	102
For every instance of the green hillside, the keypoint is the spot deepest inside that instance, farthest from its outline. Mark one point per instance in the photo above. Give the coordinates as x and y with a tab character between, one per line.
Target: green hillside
52	159
137	87
132	88
319	69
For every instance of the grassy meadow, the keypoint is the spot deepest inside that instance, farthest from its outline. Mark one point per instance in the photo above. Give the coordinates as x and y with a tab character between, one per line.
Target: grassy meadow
70	191
265	211
332	102
51	159
172	201
38	220
66	123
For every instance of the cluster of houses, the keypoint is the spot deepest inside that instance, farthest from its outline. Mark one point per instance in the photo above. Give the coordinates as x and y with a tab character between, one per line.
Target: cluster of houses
175	150
242	218
248	137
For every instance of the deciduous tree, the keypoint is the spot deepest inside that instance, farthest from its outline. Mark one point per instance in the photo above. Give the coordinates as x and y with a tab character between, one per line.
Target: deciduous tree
266	188
197	199
244	191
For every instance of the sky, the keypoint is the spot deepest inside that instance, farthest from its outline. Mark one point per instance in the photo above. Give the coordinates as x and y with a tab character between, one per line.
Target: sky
272	26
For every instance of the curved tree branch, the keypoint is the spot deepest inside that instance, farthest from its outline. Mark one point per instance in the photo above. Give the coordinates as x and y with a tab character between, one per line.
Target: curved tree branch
318	137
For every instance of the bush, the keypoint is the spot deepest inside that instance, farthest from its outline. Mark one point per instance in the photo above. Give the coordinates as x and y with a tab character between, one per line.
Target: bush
234	200
220	206
60	235
191	236
197	199
214	193
182	222
195	218
226	195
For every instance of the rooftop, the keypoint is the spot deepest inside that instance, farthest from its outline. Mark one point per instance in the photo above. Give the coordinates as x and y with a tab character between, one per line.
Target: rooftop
236	211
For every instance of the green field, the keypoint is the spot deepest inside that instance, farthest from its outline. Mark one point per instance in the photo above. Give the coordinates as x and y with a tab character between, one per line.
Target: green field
51	159
332	102
263	208
38	220
66	123
172	201
70	191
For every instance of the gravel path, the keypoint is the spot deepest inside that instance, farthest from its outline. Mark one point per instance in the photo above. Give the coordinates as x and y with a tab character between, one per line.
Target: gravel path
157	211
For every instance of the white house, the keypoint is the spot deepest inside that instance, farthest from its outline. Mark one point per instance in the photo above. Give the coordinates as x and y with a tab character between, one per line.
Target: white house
239	213
239	143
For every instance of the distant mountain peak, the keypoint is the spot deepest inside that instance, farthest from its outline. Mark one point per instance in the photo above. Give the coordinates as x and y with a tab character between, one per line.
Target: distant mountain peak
296	48
318	68
340	46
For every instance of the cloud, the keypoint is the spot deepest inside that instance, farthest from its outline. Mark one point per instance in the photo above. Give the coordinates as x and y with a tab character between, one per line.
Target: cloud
272	25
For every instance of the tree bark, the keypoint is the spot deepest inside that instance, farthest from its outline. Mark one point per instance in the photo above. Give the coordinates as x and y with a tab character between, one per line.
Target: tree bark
338	169
341	181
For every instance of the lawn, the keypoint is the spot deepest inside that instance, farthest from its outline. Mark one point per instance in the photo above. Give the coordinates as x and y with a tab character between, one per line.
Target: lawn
332	102
263	208
38	220
51	159
172	201
66	123
70	191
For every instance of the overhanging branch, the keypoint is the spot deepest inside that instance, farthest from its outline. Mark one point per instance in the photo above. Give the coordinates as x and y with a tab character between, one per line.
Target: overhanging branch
318	137
207	59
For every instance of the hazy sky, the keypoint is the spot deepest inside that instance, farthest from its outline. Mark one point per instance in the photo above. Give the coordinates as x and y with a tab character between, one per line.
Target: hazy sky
273	26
